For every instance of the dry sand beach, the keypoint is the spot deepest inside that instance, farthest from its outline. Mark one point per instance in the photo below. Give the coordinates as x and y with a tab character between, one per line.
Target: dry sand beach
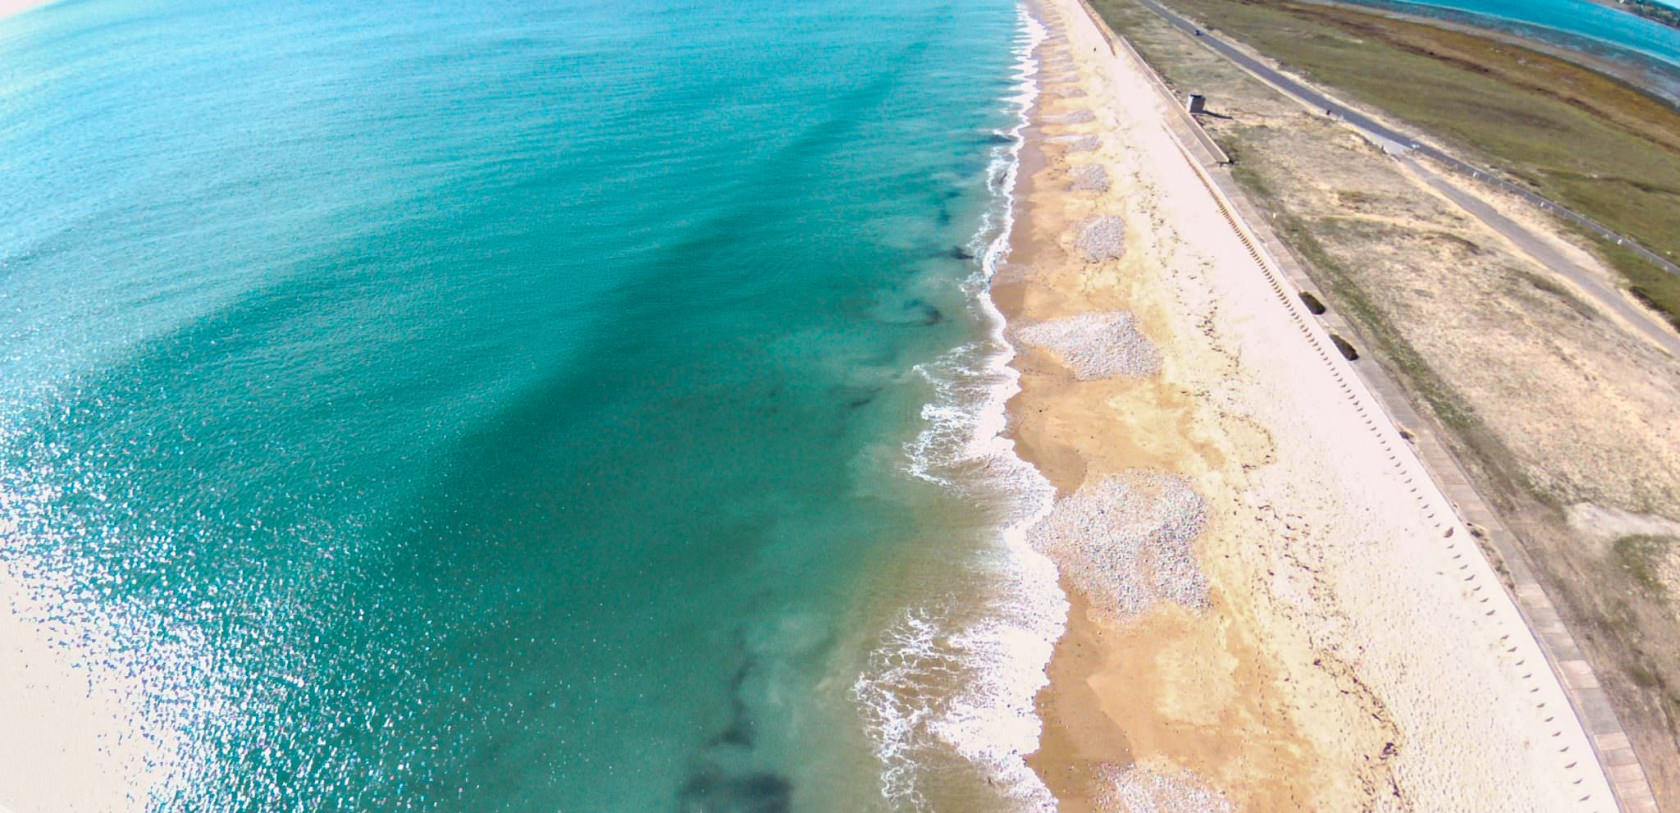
1273	606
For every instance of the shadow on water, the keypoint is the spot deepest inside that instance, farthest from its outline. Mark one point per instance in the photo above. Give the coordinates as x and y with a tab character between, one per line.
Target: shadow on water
728	777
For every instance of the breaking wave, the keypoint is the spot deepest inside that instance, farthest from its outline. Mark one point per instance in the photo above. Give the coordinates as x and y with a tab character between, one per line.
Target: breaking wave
956	678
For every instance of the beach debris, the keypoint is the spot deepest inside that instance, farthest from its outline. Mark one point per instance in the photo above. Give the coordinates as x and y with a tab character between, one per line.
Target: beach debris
1138	789
1076	117
1096	345
1087	142
1124	541
1090	178
1101	238
1071	93
1345	347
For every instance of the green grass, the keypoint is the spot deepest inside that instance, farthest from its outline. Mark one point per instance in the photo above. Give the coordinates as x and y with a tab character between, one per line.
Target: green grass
1651	285
1650	10
1641	558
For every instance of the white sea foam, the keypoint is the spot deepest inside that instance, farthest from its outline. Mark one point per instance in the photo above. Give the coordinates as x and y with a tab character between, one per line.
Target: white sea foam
953	679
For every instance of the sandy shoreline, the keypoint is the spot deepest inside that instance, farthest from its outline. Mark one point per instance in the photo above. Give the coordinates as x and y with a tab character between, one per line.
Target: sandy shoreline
1332	639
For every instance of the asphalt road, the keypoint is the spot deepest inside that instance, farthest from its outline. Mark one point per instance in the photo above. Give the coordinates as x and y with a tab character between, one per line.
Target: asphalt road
1393	140
1589	283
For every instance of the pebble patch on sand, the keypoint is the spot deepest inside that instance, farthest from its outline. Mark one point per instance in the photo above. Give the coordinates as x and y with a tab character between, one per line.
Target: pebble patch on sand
1077	143
1124	541
1096	345
1137	789
1101	238
1076	117
1089	178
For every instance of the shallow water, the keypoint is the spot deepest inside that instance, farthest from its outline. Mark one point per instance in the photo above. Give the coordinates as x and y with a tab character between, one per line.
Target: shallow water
497	406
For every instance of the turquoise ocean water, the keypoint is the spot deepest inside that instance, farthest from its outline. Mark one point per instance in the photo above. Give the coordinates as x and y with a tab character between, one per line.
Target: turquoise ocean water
507	406
525	405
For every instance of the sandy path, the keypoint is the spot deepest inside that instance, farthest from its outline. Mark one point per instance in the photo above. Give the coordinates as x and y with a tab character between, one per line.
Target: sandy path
1352	648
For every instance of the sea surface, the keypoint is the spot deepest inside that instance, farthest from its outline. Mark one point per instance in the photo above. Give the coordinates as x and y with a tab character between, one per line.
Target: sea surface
525	406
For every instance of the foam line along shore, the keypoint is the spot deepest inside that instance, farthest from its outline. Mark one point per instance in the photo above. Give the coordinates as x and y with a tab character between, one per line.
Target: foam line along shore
948	689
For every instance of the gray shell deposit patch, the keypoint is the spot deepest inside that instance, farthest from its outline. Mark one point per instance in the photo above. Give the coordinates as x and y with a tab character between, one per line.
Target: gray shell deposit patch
1077	143
1089	178
1101	238
1124	541
1076	117
1096	345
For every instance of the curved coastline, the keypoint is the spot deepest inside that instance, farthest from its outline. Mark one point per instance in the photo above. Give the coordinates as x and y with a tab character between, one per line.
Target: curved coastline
953	683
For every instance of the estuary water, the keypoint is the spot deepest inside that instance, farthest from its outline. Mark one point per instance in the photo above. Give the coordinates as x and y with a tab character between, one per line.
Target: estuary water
1653	49
507	406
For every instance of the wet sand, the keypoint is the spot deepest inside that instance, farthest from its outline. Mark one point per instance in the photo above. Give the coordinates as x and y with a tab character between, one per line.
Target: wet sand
1331	638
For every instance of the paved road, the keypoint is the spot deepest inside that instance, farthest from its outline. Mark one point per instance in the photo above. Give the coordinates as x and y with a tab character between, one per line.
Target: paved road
1394	140
1589	283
